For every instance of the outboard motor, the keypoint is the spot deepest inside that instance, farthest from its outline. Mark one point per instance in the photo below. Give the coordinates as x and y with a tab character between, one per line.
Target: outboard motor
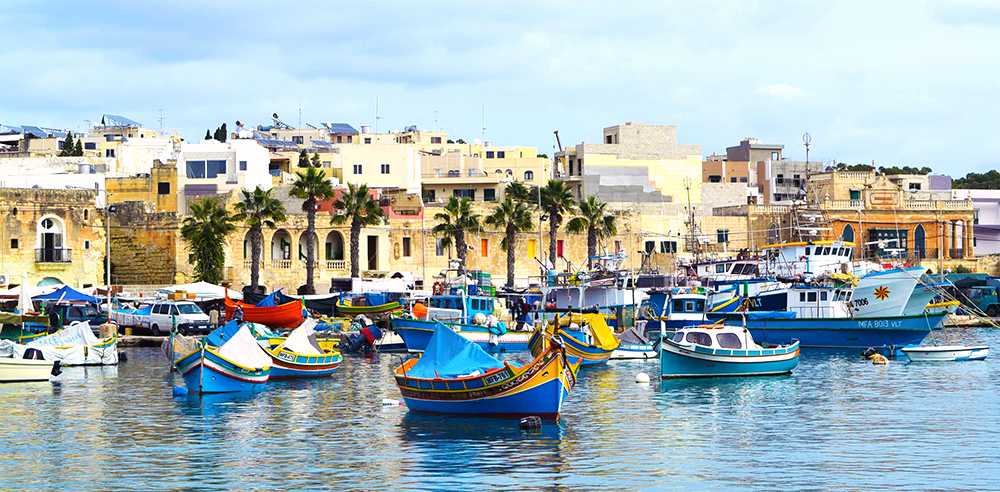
366	336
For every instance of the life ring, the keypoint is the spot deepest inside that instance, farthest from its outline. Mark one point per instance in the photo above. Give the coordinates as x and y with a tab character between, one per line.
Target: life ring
438	288
803	258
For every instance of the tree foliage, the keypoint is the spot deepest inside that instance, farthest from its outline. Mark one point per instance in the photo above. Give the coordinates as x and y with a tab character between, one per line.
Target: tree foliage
904	170
221	133
595	221
557	200
456	220
68	147
843	166
975	181
512	217
304	159
315	161
311	186
357	208
205	229
258	210
521	192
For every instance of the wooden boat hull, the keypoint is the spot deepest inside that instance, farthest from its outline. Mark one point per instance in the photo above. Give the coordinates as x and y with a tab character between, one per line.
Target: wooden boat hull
205	371
288	315
946	353
290	365
575	349
23	370
538	388
416	333
688	361
351	310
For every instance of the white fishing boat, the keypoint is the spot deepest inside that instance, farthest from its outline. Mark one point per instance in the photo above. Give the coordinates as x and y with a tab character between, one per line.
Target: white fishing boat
20	370
946	353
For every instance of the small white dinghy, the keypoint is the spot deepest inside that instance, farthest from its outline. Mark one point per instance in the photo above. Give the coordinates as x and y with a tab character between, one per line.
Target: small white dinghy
946	353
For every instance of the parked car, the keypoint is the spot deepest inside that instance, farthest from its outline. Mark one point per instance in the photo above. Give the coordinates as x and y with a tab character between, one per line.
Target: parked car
186	315
71	313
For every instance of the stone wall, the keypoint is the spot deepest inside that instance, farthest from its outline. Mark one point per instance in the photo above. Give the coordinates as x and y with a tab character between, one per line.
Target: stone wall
143	244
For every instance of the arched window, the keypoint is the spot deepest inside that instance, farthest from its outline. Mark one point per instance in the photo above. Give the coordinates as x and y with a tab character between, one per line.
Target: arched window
848	234
919	236
50	240
772	234
529	175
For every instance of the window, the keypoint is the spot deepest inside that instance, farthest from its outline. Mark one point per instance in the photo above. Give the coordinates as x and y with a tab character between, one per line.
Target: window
13	243
822	296
802	297
465	193
297	139
732	179
723	235
780	179
855	194
109	152
743	179
501	154
438	247
678	306
914	186
435	140
385	169
368	140
357	169
429	195
714	178
807	250
607	139
775	156
668	247
484	248
86	244
470	173
489	154
811	297
559	248
243	165
90	146
489	195
689	306
699	338
205	169
406	247
728	340
650	247
618	246
529	175
162	188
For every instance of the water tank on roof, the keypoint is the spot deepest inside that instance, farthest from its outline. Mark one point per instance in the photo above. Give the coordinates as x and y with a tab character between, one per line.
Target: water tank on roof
487	143
366	128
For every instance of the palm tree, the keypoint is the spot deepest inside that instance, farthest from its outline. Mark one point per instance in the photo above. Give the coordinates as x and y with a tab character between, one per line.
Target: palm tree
457	218
595	221
557	199
258	209
518	191
512	217
357	207
311	186
205	229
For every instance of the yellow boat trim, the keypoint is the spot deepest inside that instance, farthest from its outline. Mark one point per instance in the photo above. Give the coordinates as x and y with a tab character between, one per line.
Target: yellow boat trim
720	306
943	304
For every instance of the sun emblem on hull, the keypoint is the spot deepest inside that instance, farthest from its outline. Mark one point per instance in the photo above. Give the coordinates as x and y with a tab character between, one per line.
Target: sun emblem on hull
882	293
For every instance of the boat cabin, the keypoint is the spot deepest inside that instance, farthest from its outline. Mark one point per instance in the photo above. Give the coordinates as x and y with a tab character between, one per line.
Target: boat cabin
451	308
815	257
728	269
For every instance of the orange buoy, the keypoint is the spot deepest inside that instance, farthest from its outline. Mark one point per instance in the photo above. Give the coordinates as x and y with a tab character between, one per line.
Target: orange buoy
419	310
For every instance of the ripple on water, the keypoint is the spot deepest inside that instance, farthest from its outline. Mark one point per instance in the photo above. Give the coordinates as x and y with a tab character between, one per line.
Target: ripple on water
837	423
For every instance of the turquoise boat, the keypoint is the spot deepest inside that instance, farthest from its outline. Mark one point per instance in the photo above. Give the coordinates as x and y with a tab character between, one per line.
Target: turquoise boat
719	350
227	360
456	376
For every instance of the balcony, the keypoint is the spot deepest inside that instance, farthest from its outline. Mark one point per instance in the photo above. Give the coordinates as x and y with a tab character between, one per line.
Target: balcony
281	264
53	255
336	265
463	176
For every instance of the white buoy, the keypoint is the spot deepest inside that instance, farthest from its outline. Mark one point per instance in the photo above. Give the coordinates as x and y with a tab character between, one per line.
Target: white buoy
642	378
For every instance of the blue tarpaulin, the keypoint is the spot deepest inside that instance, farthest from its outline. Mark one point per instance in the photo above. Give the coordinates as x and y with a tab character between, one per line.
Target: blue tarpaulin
271	300
759	315
222	334
376	299
449	355
66	293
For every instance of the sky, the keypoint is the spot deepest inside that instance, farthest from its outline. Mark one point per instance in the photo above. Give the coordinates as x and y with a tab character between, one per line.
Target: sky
895	82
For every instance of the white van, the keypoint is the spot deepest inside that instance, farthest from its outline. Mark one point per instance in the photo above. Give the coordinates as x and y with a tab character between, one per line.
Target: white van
189	318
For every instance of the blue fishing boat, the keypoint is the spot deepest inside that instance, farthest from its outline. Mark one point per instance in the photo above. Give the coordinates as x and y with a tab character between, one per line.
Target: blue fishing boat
719	350
227	360
300	355
632	344
783	327
674	308
468	315
585	336
456	376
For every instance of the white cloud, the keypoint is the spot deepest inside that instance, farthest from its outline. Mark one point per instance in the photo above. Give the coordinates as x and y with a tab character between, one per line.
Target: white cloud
785	92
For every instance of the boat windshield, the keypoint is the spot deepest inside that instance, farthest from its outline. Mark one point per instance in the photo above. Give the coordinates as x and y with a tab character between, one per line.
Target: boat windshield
728	340
699	338
679	336
189	309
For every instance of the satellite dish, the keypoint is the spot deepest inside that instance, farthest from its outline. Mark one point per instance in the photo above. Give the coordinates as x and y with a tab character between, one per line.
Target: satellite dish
239	123
806	138
274	115
477	141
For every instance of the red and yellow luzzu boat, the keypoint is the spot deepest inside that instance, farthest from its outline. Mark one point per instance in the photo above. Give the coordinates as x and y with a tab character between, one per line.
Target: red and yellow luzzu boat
288	315
593	346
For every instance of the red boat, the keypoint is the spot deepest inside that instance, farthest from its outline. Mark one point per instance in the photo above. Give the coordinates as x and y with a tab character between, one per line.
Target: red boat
288	315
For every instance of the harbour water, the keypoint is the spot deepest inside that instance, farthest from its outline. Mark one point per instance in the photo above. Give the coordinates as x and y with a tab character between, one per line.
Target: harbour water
838	422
